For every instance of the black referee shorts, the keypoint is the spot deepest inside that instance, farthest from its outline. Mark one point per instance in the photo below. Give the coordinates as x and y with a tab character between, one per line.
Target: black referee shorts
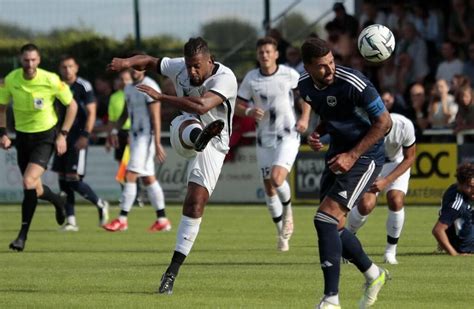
34	148
348	188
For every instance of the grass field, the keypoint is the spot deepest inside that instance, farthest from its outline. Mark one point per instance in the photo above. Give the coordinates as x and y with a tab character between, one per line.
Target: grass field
234	263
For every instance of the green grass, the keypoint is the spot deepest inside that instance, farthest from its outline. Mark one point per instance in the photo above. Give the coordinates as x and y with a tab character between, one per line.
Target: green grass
234	263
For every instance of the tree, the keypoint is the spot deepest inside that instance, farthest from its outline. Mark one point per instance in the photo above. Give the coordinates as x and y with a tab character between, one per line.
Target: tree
295	26
224	34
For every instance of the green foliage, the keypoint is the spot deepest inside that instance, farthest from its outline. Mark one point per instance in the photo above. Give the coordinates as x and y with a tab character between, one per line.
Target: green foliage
225	34
234	263
295	27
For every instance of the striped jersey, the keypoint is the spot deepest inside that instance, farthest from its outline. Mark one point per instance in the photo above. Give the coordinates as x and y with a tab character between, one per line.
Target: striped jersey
222	82
137	106
401	135
456	212
274	95
346	108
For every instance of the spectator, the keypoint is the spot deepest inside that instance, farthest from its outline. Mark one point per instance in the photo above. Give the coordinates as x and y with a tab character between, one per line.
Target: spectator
468	68
282	44
387	76
458	82
103	90
411	57
394	103
451	64
343	22
293	59
465	115
443	108
398	16
418	110
370	15
461	24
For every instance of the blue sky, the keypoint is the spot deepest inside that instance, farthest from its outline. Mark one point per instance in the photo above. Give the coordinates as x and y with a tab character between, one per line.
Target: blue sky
180	18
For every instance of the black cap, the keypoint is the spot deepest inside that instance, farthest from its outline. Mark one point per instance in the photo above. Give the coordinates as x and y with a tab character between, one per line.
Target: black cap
338	6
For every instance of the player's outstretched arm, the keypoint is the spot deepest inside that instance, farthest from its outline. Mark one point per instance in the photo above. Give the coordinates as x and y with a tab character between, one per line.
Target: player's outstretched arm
138	62
439	232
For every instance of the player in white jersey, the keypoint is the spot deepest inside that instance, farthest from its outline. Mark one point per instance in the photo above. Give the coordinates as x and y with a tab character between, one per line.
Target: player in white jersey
400	152
145	144
206	93
270	88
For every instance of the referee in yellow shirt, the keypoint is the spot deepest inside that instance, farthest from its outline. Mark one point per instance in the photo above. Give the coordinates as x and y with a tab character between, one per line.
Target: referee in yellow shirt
33	91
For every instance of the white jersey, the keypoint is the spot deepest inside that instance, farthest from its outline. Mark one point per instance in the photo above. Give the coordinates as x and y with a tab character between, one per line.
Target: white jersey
222	82
273	94
402	135
137	106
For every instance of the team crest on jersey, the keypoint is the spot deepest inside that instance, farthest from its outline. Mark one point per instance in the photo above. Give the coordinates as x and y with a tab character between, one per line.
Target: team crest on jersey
331	100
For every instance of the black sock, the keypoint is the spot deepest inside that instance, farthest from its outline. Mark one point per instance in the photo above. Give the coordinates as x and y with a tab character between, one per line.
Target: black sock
50	196
28	207
194	134
160	213
176	261
352	251
392	240
330	251
123	213
84	190
71	199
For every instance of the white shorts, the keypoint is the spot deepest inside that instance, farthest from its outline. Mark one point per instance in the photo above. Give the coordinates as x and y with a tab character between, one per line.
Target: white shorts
401	183
205	168
283	154
142	154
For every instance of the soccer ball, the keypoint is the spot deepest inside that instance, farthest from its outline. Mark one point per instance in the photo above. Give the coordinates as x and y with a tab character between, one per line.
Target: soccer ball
376	43
177	126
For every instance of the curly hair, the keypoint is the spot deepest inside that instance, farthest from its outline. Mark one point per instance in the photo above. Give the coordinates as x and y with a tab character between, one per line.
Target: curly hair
196	46
465	172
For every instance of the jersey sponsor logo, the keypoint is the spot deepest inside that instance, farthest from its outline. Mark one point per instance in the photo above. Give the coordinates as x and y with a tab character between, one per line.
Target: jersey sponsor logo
38	102
331	100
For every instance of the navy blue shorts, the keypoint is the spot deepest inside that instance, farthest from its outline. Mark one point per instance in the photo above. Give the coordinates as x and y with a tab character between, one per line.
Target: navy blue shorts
34	148
348	188
71	162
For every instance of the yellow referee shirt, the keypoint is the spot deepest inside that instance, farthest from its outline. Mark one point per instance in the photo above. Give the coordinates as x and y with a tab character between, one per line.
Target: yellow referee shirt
33	100
116	106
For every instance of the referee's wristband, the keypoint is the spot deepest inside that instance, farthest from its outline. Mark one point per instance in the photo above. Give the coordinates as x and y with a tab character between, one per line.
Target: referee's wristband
3	131
85	134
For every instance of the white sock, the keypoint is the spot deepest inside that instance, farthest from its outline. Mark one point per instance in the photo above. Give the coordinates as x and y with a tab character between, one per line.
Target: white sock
186	135
372	273
187	233
394	225
156	196
284	193
128	197
333	299
276	210
71	220
355	220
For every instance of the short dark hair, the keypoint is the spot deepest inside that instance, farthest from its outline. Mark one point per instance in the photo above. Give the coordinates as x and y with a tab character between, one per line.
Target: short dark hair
465	172
267	40
65	57
29	47
196	46
314	48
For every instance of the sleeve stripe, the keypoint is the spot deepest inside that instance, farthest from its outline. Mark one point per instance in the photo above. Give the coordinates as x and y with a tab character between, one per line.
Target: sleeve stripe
352	76
358	87
219	94
243	99
87	86
457	202
304	76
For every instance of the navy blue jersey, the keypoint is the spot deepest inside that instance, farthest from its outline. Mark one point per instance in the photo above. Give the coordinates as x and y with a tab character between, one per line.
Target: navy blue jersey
83	95
346	107
456	212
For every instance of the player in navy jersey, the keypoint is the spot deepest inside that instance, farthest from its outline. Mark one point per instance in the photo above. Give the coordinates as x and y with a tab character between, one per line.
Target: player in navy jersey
354	116
71	166
454	229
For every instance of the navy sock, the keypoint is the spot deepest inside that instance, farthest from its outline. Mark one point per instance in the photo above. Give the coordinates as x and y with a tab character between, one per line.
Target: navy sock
71	199
85	190
330	250
392	240
28	207
352	251
176	261
160	213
